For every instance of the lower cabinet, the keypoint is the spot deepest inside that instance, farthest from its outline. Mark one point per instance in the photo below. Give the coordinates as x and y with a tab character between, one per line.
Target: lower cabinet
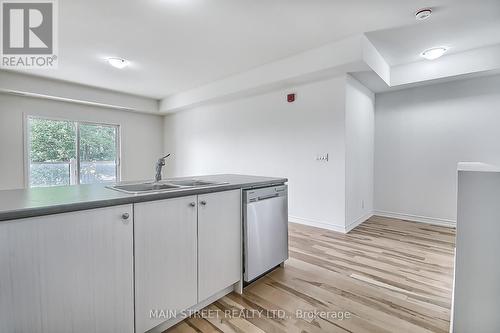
186	250
74	272
219	242
165	259
69	272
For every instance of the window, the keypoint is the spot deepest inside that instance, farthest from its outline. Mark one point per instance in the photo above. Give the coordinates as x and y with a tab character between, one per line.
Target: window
62	152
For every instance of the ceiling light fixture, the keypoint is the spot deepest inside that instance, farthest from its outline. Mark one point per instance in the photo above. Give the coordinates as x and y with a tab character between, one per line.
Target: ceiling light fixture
434	53
423	14
118	62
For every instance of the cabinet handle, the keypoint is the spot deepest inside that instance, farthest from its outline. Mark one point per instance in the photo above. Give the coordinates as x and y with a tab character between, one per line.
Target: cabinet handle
125	216
203	202
192	204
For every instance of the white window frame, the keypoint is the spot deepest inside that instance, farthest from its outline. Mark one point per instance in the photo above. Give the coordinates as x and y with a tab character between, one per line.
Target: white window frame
27	146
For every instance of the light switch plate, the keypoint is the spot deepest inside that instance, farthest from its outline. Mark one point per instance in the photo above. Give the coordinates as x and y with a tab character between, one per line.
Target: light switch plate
322	157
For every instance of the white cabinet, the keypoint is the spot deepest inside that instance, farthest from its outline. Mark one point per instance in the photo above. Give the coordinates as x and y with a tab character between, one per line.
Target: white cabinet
186	250
219	242
165	259
74	272
69	272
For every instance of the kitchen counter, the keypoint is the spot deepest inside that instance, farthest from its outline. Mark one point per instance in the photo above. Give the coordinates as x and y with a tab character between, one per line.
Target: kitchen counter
23	203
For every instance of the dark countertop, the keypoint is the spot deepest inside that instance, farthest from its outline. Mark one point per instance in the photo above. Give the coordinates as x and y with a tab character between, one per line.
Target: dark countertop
22	203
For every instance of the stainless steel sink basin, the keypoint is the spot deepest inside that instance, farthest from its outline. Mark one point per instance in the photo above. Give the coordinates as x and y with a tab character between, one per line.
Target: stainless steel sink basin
193	183
167	185
144	187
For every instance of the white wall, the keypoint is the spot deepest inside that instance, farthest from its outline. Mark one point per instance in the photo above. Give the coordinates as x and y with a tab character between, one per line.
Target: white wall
265	135
141	135
11	81
359	124
420	136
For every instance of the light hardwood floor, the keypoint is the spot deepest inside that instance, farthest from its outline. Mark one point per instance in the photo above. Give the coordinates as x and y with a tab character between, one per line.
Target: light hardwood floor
389	275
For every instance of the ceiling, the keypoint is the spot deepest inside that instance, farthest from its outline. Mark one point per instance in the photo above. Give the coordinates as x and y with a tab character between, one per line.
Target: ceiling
459	26
176	45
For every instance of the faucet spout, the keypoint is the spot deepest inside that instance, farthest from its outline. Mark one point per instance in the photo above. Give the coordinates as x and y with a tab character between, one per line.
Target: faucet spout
159	166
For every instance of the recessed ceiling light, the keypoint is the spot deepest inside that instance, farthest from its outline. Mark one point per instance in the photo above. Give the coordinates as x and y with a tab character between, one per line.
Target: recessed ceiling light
434	53
423	14
118	62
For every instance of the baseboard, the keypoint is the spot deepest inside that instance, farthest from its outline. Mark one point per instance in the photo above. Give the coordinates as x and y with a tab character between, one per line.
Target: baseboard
317	224
417	218
357	222
333	227
348	228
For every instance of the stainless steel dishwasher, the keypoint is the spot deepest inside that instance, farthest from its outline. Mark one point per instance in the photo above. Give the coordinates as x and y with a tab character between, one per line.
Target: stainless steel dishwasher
265	229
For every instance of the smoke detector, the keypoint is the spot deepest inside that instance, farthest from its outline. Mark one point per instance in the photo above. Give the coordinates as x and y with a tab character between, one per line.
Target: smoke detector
423	14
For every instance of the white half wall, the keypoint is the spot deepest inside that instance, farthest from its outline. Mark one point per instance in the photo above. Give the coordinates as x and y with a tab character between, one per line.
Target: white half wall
141	135
265	135
476	291
359	124
421	134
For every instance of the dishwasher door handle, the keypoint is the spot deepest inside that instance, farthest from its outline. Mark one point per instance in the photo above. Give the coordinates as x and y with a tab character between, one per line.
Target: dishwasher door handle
268	197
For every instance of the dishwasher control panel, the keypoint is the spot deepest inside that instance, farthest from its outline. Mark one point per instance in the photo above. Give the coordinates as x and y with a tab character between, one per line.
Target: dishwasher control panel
255	195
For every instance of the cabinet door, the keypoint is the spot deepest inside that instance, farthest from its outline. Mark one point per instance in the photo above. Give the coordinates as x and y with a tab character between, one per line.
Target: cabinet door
219	242
70	272
165	259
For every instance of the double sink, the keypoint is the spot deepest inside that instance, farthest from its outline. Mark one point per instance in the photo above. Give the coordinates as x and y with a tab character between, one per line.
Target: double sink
167	185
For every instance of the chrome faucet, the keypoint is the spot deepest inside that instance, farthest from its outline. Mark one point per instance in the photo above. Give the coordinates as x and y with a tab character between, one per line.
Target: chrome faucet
159	165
